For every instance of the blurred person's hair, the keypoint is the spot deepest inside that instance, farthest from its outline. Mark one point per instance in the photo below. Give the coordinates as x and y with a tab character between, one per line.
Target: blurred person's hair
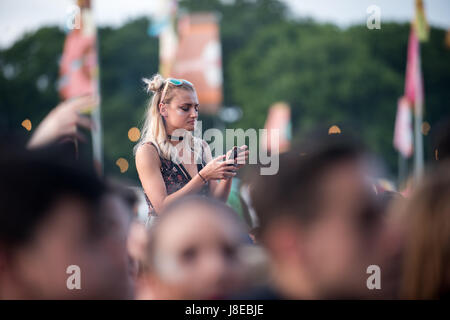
154	129
31	182
245	213
426	273
125	192
179	206
292	192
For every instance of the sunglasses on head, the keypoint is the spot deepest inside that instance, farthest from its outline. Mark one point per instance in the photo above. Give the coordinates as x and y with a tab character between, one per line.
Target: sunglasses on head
179	82
175	82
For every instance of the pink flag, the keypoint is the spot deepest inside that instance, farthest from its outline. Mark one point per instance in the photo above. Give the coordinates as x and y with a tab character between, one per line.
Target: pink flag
278	119
78	68
79	72
403	135
413	81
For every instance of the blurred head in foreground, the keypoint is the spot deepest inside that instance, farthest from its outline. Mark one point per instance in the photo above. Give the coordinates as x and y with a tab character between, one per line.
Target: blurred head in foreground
55	214
318	219
426	268
193	251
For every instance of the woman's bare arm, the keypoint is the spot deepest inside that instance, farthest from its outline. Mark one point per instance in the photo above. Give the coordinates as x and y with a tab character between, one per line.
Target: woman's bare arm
148	167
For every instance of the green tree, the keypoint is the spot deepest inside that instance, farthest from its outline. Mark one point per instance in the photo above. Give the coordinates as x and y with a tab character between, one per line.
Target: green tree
350	77
29	77
127	54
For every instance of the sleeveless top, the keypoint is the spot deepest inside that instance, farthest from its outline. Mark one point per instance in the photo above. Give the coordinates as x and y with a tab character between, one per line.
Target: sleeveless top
175	177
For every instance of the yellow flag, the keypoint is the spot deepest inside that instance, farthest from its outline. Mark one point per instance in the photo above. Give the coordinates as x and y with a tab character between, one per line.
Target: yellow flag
420	22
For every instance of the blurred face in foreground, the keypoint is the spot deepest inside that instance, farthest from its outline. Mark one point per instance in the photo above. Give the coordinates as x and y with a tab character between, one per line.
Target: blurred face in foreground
338	245
37	270
196	255
327	257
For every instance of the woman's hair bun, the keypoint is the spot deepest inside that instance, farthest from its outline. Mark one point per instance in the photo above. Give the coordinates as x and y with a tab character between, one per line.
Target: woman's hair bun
155	83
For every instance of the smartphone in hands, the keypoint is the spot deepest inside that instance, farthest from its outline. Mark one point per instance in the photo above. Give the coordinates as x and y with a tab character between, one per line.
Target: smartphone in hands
233	155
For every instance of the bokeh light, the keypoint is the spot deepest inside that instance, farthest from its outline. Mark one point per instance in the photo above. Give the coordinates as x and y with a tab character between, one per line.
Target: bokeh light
134	134
425	128
334	130
122	164
27	124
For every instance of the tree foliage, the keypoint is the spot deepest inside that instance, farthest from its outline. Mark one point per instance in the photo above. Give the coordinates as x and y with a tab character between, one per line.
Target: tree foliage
349	77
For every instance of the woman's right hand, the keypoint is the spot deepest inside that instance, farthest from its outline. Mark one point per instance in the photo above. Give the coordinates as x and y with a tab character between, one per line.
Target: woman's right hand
219	169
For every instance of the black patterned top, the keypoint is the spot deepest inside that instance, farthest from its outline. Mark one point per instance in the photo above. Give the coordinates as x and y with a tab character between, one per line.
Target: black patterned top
176	177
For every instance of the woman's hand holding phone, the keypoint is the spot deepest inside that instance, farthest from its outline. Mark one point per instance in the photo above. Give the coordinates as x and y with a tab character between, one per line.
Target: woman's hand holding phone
218	169
239	155
225	166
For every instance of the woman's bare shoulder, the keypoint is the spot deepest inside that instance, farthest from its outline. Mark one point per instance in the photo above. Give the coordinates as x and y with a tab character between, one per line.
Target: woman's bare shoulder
147	154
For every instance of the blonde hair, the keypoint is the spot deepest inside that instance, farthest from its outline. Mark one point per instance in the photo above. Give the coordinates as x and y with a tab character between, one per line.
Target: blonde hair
154	128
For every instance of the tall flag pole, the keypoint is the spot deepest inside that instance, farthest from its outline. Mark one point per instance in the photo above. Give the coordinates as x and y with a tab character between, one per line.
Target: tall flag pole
414	95
79	72
413	98
418	116
414	87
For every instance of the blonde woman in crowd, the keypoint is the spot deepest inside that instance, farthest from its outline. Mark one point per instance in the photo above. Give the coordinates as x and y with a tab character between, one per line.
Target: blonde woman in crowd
170	160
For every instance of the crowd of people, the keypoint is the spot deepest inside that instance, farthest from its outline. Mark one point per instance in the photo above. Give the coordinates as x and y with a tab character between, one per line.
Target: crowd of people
322	223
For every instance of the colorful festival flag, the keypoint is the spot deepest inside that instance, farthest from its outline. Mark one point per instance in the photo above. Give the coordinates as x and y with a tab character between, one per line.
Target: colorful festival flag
420	22
199	58
79	68
413	82
415	96
403	132
79	72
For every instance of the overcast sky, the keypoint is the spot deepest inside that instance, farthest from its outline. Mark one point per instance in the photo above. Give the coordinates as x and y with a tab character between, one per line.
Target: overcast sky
19	16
